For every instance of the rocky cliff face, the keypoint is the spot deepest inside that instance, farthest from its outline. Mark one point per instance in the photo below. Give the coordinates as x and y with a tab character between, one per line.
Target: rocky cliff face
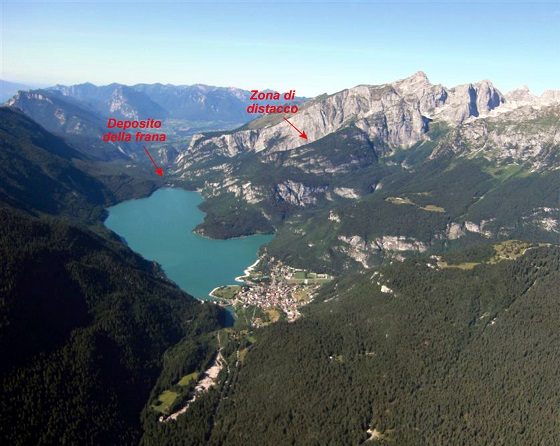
524	134
297	194
358	250
379	111
398	115
453	105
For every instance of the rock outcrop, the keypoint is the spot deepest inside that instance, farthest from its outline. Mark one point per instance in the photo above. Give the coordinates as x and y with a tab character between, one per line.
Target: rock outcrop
524	134
297	194
358	250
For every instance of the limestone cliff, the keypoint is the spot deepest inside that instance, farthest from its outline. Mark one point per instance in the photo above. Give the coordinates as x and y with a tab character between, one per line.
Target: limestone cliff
397	114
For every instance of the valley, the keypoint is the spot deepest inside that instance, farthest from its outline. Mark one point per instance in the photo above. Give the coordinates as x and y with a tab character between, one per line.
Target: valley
312	223
406	275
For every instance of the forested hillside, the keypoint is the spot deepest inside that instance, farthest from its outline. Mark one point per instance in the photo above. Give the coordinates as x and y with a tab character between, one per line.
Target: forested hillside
84	322
436	356
41	174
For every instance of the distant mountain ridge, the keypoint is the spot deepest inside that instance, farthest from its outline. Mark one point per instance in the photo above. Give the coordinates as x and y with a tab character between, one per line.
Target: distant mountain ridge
402	174
8	89
81	111
189	102
114	100
186	102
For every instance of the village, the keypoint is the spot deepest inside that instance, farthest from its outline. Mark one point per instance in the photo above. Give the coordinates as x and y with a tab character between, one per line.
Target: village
283	288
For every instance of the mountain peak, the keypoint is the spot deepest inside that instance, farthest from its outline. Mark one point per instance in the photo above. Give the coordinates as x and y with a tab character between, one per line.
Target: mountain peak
551	96
486	82
412	83
416	77
521	96
524	88
419	75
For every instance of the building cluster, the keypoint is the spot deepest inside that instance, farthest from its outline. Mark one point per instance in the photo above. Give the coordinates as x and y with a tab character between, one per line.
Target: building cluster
279	289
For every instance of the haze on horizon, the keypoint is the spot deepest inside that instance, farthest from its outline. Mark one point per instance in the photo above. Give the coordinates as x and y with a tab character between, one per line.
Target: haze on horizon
312	47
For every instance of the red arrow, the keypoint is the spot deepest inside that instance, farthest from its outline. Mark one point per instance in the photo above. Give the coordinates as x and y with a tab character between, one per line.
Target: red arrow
301	134
158	169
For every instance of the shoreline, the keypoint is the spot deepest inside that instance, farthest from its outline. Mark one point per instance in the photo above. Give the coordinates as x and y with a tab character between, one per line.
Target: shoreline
217	300
247	271
161	271
211	293
221	299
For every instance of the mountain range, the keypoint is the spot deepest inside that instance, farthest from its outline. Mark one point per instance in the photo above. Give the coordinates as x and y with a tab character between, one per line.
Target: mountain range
397	115
80	112
389	169
456	161
436	208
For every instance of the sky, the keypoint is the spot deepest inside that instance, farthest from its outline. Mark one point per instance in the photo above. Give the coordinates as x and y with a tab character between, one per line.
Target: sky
312	47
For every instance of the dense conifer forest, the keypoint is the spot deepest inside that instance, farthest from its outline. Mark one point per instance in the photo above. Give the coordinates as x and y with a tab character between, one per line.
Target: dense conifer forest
448	356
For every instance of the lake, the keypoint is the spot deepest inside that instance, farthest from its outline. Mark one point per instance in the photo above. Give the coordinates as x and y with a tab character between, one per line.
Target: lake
160	228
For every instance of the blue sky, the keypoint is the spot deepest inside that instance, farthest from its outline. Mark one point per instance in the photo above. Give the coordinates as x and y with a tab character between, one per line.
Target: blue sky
312	47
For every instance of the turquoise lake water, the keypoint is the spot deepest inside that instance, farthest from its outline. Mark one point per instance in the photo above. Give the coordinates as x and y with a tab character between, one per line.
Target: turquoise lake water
160	228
